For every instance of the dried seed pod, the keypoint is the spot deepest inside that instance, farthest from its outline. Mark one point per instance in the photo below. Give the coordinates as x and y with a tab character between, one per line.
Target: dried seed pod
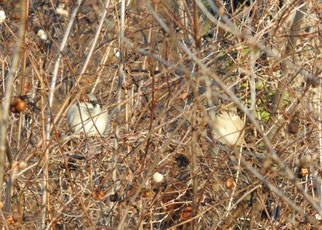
304	171
158	177
293	126
146	193
18	105
61	10
42	34
21	106
229	183
98	195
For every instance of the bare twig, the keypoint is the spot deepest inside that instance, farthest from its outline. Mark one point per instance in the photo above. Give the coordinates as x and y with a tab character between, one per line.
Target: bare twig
10	78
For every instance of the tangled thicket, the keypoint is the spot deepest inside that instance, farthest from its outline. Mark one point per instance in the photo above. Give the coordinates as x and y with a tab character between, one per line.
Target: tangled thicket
164	70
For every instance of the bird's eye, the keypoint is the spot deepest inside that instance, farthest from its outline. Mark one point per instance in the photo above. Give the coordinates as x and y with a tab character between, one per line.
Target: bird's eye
94	103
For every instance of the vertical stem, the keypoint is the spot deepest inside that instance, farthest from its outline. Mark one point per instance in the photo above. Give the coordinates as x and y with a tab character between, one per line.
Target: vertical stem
119	97
9	84
45	194
195	85
320	135
23	75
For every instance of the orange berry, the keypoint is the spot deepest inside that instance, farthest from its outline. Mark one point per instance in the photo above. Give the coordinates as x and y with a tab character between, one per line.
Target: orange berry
229	183
18	105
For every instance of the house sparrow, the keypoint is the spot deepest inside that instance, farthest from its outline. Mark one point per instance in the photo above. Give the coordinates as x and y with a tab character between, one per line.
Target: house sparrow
228	129
84	114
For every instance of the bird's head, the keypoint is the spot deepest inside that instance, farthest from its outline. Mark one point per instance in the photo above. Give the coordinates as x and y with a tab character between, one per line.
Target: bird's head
89	101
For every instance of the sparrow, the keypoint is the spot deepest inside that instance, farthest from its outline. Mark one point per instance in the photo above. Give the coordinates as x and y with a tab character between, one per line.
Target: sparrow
87	115
228	129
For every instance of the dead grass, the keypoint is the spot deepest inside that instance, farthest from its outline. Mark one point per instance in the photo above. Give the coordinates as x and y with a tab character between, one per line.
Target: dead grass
163	69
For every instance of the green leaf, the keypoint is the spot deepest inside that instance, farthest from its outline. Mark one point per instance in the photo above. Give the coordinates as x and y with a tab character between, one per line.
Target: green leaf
248	49
286	99
206	28
259	85
260	144
265	116
243	85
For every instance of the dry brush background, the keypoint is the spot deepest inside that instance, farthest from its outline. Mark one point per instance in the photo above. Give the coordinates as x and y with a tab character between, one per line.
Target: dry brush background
165	71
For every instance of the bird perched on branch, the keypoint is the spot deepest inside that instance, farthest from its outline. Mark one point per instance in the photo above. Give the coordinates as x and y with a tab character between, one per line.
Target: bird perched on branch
87	115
